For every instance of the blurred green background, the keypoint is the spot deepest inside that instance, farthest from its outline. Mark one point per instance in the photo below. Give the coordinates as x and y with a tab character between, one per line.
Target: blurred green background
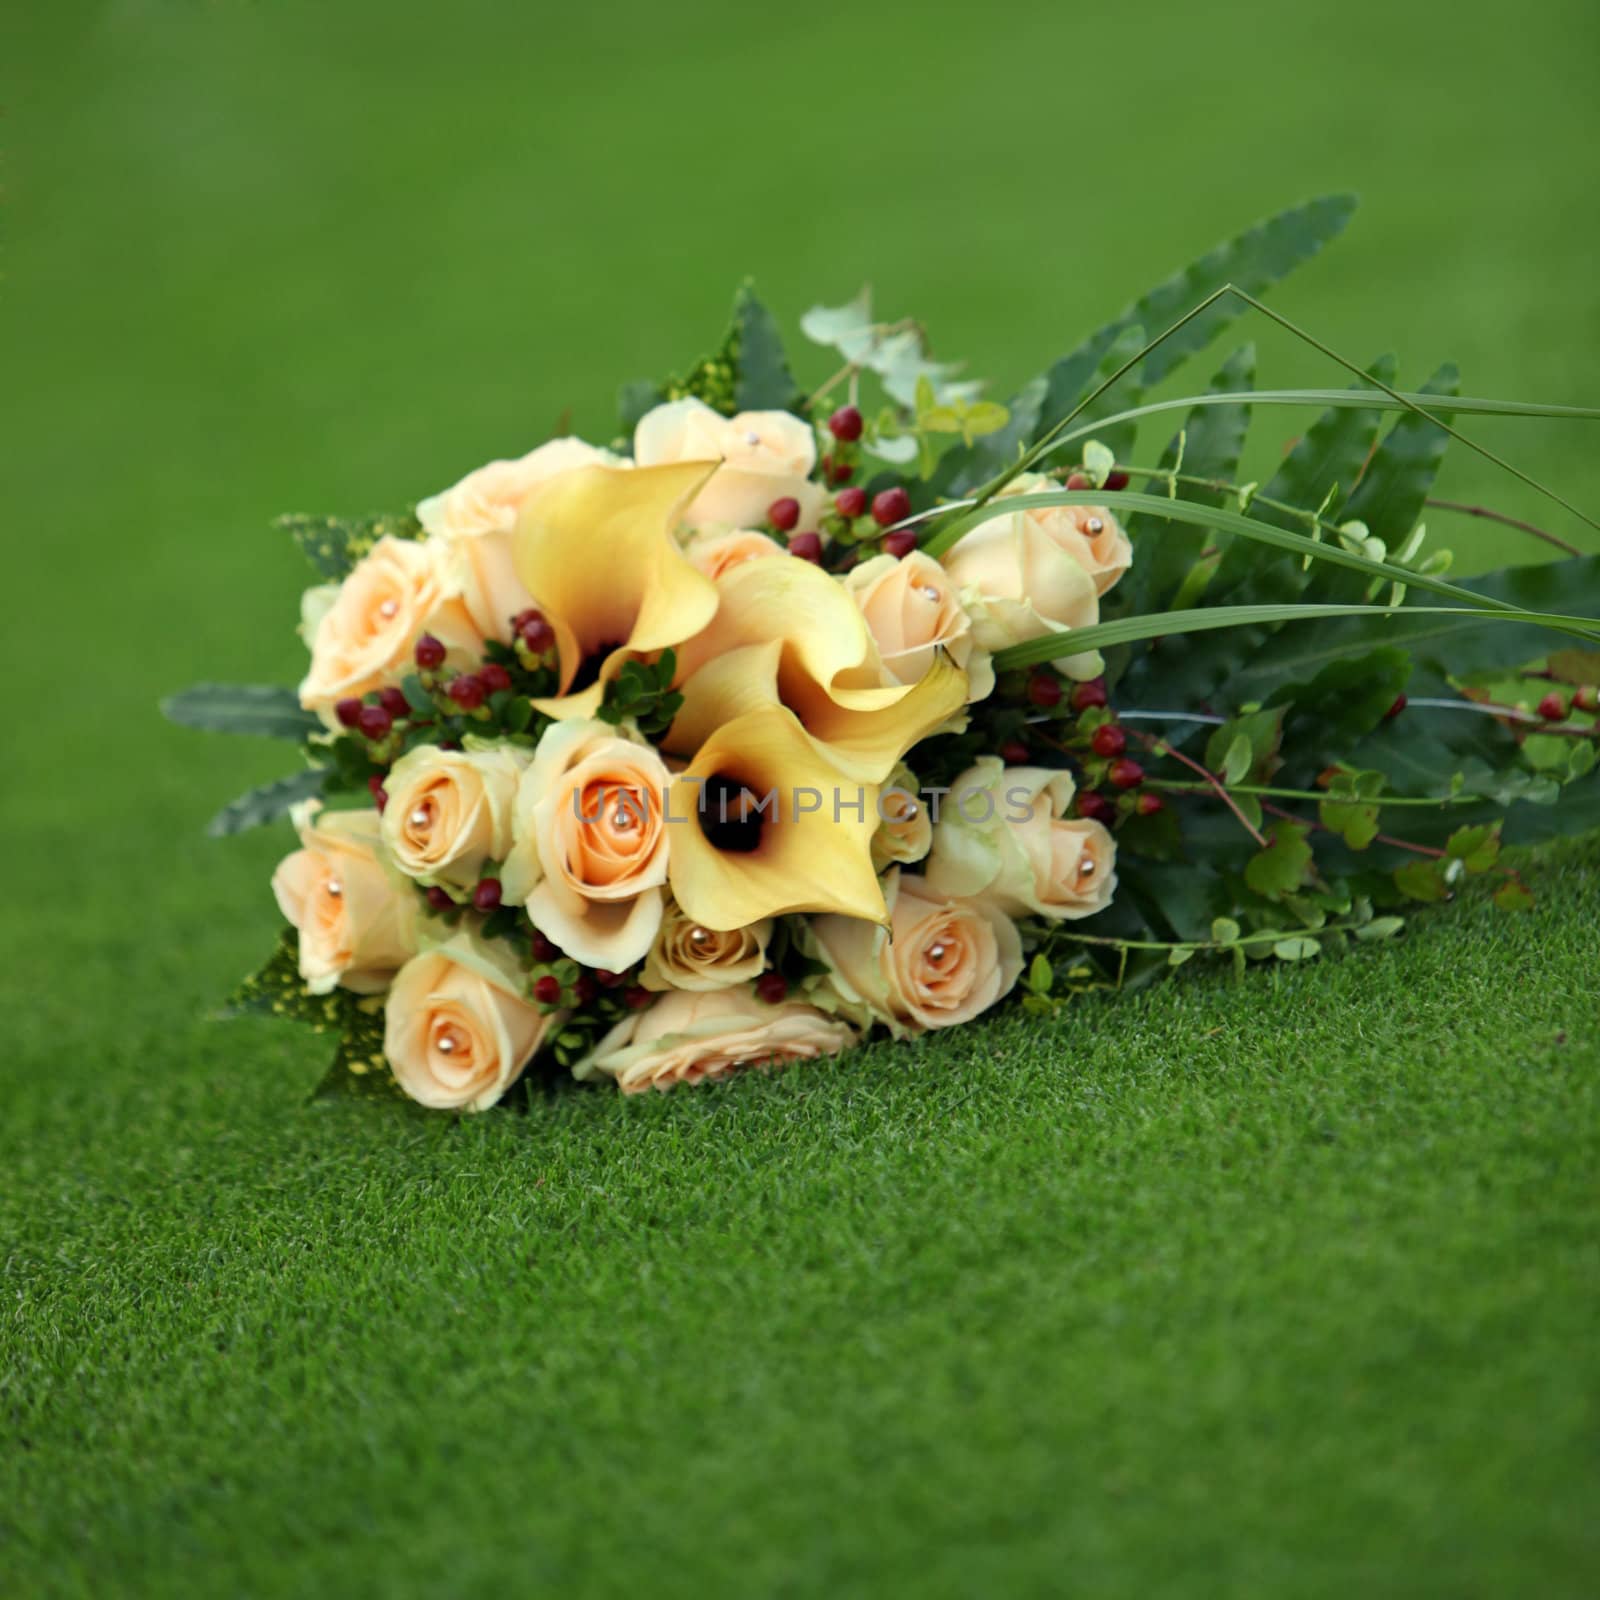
291	256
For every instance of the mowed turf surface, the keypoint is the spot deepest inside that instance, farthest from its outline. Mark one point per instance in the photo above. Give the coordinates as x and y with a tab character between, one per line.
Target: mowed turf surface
1286	1287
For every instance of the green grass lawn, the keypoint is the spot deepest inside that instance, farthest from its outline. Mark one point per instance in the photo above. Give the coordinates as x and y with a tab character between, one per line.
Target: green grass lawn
1284	1287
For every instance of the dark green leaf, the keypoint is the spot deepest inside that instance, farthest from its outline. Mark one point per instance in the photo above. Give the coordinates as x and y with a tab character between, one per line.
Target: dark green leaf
1284	866
1124	394
1213	440
266	803
266	710
763	381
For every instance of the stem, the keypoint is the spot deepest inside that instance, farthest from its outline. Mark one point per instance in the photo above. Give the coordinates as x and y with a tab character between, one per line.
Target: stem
1307	794
1510	522
1160	747
1271	936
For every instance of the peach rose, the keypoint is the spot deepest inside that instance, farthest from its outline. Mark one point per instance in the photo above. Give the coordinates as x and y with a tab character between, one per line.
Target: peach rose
457	1028
688	955
905	829
1003	833
1091	535
356	925
689	1038
941	962
449	812
766	456
362	631
478	516
715	554
913	611
589	852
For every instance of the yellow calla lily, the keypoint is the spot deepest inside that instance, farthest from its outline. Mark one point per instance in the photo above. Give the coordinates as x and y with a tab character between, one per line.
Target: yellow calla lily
764	825
595	547
825	669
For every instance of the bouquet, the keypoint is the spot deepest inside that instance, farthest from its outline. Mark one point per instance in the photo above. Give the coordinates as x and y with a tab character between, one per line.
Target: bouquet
789	716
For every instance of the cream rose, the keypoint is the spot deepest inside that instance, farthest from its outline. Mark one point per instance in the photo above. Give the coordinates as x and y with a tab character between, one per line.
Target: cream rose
1003	833
357	926
478	516
589	852
766	456
688	1038
458	1029
941	961
449	812
912	610
905	829
362	631
1091	535
715	554
687	955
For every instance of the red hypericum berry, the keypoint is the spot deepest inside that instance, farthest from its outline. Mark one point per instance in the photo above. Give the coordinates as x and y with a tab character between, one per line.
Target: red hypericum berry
537	634
1014	753
429	653
395	703
1395	710
784	514
440	899
808	546
1108	741
486	897
349	712
375	722
1079	481
900	542
606	978
1096	807
493	676
772	987
1586	698
1089	696
547	990
1125	774
380	796
1044	689
890	506
637	998
850	503
837	471
1148	804
1116	481
542	948
585	989
1553	708
467	691
375	785
845	424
